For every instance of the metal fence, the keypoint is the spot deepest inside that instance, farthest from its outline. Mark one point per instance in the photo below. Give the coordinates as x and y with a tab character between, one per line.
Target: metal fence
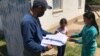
11	13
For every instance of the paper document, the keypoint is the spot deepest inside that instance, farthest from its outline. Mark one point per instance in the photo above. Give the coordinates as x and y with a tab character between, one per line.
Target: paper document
58	39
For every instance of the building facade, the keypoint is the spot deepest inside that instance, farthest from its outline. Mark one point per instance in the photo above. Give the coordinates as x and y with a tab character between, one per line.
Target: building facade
68	9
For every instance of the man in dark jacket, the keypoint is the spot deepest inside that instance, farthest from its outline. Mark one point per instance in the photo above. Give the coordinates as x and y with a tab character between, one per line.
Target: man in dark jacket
32	32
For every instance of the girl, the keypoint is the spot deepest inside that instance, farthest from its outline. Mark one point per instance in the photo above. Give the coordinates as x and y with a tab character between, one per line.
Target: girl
89	33
62	29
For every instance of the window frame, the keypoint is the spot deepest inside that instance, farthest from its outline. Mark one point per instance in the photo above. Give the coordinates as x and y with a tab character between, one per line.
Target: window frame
58	9
79	4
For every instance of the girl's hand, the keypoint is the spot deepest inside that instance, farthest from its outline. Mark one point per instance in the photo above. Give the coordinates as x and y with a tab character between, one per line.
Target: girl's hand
69	35
71	39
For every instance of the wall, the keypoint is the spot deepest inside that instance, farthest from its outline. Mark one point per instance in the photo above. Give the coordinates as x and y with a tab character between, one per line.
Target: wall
70	10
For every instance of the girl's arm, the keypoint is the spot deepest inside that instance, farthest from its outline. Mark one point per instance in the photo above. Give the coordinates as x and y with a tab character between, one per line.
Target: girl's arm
76	35
79	41
79	34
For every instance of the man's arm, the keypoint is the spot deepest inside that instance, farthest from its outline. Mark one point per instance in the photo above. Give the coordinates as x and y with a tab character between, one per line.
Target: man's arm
45	32
28	38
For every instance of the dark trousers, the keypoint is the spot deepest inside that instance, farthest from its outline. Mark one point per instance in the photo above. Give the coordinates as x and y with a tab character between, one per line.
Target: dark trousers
27	53
61	50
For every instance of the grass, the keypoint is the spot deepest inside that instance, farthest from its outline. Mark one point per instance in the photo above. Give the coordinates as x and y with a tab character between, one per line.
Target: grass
73	50
3	49
98	41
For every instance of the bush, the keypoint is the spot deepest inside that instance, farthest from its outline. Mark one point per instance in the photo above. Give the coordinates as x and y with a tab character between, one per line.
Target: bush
93	2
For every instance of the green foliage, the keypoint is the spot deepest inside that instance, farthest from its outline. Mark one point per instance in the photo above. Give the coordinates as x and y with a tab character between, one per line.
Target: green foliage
73	50
93	2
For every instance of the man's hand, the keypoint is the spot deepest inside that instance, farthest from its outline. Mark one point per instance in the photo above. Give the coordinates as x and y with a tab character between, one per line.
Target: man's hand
49	47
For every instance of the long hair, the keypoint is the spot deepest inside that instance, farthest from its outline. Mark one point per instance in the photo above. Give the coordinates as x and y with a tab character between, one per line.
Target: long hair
90	15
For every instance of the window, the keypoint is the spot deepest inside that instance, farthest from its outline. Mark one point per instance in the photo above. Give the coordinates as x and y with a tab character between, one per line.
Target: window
79	4
57	4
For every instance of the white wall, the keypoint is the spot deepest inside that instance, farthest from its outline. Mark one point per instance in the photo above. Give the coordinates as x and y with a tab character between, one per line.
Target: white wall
70	10
47	20
50	19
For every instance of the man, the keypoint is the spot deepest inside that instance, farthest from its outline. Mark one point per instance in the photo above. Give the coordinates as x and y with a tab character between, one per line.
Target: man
31	29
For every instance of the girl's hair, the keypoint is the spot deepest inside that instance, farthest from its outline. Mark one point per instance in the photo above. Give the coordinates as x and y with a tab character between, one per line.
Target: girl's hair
63	20
90	15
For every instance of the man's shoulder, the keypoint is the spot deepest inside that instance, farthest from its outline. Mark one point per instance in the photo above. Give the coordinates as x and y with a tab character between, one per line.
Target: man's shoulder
28	18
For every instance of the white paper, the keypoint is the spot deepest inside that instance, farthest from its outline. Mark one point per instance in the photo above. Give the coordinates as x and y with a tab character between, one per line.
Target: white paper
58	39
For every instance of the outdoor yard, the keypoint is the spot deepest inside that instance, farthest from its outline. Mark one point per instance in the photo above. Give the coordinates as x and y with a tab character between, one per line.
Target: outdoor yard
12	12
72	49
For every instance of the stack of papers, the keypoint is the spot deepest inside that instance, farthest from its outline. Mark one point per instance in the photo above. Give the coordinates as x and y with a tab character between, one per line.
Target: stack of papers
58	39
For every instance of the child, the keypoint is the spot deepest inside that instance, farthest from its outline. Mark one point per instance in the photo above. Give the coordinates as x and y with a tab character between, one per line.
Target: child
62	29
